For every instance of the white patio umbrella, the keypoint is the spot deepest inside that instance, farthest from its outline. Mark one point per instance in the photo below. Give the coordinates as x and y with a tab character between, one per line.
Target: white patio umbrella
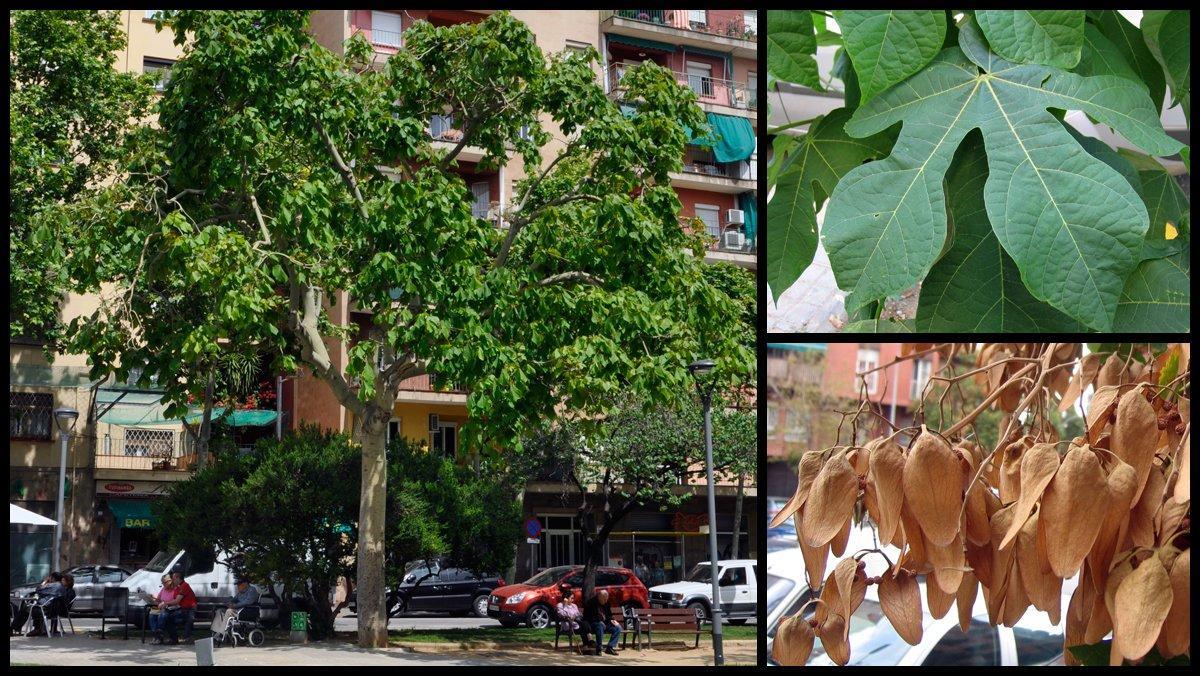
21	515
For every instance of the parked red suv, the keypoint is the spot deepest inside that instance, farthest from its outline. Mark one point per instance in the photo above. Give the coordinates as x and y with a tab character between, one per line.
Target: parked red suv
533	601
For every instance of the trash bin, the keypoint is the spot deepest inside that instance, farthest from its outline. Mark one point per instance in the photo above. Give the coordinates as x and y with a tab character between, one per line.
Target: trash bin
204	652
299	633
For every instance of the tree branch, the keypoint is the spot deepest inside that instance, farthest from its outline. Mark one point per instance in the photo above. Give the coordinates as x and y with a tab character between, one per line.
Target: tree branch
344	170
305	303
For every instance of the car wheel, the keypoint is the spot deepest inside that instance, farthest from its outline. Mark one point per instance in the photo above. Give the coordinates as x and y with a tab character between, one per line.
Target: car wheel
479	605
539	617
700	609
508	624
397	606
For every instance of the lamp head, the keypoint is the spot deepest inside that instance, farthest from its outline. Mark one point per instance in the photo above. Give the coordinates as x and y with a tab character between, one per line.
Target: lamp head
66	418
701	367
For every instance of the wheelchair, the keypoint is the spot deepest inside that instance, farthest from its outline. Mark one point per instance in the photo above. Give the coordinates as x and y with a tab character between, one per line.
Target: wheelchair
242	626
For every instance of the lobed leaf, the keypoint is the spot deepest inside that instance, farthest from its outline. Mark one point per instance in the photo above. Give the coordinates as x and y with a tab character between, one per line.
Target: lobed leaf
887	47
1047	37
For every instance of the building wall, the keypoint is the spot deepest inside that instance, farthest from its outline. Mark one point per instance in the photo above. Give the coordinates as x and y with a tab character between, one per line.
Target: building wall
840	379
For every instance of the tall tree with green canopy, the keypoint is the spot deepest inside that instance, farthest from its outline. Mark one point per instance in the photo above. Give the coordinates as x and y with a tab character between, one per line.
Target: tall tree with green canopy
69	114
639	455
284	178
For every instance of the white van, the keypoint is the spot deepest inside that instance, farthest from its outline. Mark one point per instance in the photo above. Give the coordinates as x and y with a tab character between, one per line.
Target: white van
210	577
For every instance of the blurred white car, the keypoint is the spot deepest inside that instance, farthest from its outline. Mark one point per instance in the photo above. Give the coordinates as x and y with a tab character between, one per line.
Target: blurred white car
873	641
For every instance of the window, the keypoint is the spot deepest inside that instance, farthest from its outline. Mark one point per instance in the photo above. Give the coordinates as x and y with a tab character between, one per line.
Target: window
750	21
700	78
161	68
577	47
30	415
385	29
752	90
393	430
867	360
151	14
442	127
698	17
772	416
976	648
711	215
1037	648
445	440
482	194
110	575
733	576
609	579
149	443
922	369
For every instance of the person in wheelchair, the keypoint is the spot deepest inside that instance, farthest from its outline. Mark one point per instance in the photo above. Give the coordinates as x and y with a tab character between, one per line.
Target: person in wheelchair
239	620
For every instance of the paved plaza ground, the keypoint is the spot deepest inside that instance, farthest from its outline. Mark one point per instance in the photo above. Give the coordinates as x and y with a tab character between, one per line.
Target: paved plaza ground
84	649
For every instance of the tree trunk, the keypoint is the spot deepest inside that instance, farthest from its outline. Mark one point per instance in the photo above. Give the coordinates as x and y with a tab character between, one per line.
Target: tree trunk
322	612
205	423
372	611
737	516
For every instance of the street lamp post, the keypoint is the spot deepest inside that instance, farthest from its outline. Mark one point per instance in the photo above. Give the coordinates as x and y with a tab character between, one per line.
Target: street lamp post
65	418
698	369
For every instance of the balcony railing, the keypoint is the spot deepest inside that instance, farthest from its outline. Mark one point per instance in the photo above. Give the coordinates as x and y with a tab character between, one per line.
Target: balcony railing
441	128
137	450
696	161
708	89
732	238
389	39
429	383
682	19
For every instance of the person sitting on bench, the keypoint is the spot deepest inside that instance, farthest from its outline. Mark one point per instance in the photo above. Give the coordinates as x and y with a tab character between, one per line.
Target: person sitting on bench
181	609
598	616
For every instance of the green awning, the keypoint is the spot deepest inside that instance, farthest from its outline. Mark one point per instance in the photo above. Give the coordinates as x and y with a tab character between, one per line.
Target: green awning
639	42
733	137
250	418
749	206
132	513
142	415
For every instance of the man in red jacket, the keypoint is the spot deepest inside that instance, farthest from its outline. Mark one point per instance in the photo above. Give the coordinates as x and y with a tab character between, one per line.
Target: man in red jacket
181	610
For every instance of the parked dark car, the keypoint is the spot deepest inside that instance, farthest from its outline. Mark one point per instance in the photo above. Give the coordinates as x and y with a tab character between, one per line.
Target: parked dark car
90	581
439	586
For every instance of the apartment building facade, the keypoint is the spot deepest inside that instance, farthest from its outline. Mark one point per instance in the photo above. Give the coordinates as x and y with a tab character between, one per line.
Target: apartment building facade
810	384
123	452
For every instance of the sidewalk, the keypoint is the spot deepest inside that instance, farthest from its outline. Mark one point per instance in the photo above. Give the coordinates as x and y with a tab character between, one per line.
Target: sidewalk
87	650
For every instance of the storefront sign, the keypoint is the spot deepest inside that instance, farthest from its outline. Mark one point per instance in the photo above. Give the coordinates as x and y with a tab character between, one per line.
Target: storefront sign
688	523
132	488
118	488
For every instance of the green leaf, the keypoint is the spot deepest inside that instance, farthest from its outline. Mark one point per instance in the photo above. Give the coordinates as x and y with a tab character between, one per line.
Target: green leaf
791	48
1168	37
1157	297
1093	655
1166	204
879	326
888	47
843	69
976	286
1045	36
1071	223
1127	38
1101	57
821	158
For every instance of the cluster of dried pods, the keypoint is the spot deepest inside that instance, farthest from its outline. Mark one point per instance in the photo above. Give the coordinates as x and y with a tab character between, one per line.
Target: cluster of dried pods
1111	506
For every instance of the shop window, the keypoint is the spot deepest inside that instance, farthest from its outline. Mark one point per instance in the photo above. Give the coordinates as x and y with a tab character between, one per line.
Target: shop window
30	415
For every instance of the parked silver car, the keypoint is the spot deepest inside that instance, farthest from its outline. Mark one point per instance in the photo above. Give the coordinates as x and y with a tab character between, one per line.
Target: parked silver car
90	581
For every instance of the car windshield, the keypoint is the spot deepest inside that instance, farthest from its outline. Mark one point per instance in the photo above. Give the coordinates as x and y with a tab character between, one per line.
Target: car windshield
777	590
548	576
160	562
701	572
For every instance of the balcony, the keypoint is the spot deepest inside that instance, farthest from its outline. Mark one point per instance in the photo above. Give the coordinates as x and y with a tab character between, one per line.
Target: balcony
702	172
713	94
694	28
732	246
446	136
428	389
144	450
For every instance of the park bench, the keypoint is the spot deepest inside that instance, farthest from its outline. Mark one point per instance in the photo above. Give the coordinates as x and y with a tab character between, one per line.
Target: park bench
647	621
583	631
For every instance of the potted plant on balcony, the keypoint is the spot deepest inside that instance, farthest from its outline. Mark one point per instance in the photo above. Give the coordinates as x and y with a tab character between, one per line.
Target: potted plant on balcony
643	16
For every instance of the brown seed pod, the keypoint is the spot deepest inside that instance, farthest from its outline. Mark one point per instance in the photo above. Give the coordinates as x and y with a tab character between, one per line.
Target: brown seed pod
1169	521
1043	590
948	564
815	558
1038	466
1120	482
1010	469
1016	601
1073	509
1141	519
939	601
900	599
915	557
1099	623
1101	407
1112	373
1142	601
1177	628
933	487
793	642
976	525
838	544
810	465
886	472
832	633
1183	484
965	600
831	500
979	557
1135	435
1076	623
1089	365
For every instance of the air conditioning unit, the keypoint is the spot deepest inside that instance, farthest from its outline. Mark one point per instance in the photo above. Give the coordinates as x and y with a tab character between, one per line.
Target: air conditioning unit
735	240
735	217
433	422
